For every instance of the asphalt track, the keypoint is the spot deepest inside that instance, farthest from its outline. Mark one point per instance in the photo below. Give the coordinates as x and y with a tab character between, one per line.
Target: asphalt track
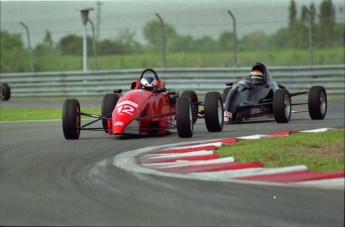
47	180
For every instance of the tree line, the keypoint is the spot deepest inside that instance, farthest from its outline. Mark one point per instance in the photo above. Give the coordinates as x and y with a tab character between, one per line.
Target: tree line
327	33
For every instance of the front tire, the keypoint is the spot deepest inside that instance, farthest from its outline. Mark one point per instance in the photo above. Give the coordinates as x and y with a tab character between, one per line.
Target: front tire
71	119
317	102
108	104
194	100
184	117
282	106
214	112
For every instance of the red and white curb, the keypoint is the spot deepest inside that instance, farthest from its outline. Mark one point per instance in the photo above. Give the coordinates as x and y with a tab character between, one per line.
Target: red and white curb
199	161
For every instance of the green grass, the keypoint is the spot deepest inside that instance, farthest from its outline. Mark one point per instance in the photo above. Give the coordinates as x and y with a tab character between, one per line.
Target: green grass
22	114
318	151
280	57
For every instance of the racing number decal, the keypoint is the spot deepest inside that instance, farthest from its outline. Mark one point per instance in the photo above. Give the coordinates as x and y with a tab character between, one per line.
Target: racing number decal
126	107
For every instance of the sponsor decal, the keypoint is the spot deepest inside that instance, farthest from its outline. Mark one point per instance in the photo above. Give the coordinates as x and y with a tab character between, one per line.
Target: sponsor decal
118	123
227	116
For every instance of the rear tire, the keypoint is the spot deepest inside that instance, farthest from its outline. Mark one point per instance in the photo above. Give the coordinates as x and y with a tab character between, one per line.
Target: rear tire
317	102
184	117
194	99
214	112
282	106
108	104
5	92
225	93
71	119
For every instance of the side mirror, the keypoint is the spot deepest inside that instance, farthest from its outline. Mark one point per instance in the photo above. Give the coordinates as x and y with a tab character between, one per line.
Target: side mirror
229	84
118	91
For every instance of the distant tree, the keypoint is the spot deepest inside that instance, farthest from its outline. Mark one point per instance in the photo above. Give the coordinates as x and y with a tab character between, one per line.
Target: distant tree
181	44
110	47
73	44
255	41
152	33
47	46
313	13
225	41
14	57
48	41
206	44
127	41
279	39
294	25
292	15
327	23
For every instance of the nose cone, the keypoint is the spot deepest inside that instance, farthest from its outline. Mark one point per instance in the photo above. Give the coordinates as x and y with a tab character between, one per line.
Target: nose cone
127	111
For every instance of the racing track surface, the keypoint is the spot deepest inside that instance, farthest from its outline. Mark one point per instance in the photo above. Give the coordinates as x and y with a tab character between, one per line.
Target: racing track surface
47	180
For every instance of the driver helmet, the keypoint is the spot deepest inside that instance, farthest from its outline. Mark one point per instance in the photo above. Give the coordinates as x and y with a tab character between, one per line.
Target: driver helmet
256	77
148	82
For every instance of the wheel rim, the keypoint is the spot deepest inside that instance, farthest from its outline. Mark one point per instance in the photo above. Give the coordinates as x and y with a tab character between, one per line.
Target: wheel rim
322	102
287	106
191	119
220	112
77	120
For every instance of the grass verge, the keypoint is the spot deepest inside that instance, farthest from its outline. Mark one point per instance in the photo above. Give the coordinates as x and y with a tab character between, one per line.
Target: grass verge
24	114
318	151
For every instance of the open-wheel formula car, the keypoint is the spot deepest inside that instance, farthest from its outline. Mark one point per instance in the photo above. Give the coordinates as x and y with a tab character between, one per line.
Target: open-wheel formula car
260	96
146	109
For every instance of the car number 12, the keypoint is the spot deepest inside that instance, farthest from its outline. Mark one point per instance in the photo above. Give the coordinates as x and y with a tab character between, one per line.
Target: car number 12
126	107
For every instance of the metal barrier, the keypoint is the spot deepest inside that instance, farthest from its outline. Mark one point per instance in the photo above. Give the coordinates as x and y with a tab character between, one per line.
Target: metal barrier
202	80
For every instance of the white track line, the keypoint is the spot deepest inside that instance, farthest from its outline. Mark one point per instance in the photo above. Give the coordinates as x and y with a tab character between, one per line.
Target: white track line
216	144
329	182
251	172
152	157
183	163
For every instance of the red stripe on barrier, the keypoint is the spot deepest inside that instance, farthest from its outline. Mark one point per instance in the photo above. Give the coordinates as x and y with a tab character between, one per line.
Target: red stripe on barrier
188	158
229	141
212	167
296	176
183	150
282	133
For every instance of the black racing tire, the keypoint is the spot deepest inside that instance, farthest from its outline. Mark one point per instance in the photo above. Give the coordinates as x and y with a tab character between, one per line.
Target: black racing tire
108	104
317	102
282	106
184	117
5	92
71	119
214	112
194	100
225	93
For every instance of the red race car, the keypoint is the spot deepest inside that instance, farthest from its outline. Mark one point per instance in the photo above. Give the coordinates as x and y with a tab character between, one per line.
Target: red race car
146	109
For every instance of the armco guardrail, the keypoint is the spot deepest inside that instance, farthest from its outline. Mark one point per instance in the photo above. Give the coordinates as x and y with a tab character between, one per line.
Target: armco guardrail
98	83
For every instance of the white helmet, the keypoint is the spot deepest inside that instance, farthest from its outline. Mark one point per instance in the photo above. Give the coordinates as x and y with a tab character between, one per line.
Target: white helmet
148	82
256	77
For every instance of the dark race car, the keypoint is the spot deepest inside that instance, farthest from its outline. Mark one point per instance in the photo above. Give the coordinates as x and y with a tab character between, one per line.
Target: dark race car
260	96
146	109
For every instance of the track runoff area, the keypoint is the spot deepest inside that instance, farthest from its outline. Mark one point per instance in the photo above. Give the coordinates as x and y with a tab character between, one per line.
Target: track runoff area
198	160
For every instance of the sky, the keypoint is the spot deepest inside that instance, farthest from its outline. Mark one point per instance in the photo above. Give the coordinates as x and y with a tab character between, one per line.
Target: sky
189	17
